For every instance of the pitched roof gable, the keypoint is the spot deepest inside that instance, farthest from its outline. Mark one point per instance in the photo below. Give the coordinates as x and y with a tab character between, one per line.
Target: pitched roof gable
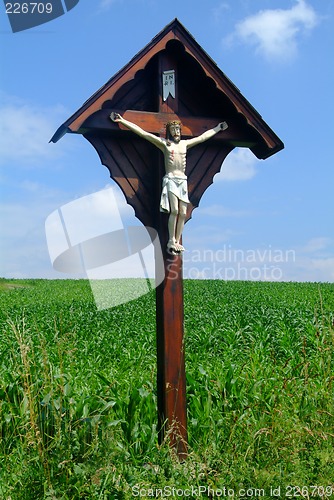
270	143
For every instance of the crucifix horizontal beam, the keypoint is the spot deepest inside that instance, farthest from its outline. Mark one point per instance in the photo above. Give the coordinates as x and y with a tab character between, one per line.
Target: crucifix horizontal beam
156	124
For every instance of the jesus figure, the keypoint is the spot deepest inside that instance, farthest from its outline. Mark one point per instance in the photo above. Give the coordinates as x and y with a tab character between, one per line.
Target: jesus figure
174	195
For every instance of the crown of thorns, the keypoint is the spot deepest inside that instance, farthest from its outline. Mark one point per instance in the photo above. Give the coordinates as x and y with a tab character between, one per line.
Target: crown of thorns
173	122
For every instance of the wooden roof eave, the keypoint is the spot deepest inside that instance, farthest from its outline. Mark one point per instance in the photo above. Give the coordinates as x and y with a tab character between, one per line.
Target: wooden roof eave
225	85
107	91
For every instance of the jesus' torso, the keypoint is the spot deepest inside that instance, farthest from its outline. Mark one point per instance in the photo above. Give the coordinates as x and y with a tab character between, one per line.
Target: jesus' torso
175	155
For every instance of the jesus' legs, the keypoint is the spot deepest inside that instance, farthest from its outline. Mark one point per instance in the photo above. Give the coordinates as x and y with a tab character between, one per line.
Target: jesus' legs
180	224
178	210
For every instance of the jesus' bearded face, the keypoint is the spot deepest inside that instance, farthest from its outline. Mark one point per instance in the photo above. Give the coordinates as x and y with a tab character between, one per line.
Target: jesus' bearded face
175	132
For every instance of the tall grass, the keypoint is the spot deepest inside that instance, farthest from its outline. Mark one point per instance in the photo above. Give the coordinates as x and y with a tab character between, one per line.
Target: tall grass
78	392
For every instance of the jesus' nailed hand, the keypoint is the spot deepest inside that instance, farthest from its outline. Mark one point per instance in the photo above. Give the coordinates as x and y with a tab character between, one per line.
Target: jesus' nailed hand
174	195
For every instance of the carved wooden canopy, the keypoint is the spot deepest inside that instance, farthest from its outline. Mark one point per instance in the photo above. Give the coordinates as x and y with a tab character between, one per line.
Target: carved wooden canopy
204	97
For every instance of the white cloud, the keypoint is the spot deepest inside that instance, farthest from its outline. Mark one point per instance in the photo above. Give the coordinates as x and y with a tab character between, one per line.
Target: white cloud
238	166
314	261
310	268
24	252
323	269
221	211
106	4
316	245
220	10
275	33
207	236
25	132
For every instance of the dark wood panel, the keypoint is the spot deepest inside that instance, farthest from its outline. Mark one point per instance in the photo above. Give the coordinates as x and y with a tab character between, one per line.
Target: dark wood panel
123	164
208	174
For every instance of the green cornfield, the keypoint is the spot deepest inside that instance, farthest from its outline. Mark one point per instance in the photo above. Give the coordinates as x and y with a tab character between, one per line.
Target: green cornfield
78	403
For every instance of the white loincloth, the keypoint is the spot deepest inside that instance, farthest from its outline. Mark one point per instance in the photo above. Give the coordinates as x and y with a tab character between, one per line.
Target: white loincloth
175	185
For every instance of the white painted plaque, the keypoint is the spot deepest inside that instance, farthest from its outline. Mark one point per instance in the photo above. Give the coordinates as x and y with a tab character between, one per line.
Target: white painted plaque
168	84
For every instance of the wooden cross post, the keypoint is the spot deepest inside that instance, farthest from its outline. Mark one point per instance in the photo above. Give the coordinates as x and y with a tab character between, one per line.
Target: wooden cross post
171	376
201	96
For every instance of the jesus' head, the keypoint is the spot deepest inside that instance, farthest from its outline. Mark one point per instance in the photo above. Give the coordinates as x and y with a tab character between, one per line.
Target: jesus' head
173	131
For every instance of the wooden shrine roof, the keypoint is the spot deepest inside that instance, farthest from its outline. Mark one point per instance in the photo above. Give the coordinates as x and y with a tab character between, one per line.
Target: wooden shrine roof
227	102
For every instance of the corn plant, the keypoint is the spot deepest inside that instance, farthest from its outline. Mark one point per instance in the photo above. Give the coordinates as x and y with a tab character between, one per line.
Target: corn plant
78	402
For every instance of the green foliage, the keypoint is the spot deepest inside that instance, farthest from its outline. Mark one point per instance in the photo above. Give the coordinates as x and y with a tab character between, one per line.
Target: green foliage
78	416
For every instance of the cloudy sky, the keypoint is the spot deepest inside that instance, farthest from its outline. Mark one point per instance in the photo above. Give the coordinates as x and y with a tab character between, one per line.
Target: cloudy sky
268	220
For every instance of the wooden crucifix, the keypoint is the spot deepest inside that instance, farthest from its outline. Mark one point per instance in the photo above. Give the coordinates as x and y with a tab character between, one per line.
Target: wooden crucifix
171	79
174	195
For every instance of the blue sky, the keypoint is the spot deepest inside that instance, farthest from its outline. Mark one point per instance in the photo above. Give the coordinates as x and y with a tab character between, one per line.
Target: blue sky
268	220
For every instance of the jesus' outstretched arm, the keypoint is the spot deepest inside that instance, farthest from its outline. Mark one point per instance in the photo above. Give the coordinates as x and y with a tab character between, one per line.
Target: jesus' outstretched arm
116	117
206	135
